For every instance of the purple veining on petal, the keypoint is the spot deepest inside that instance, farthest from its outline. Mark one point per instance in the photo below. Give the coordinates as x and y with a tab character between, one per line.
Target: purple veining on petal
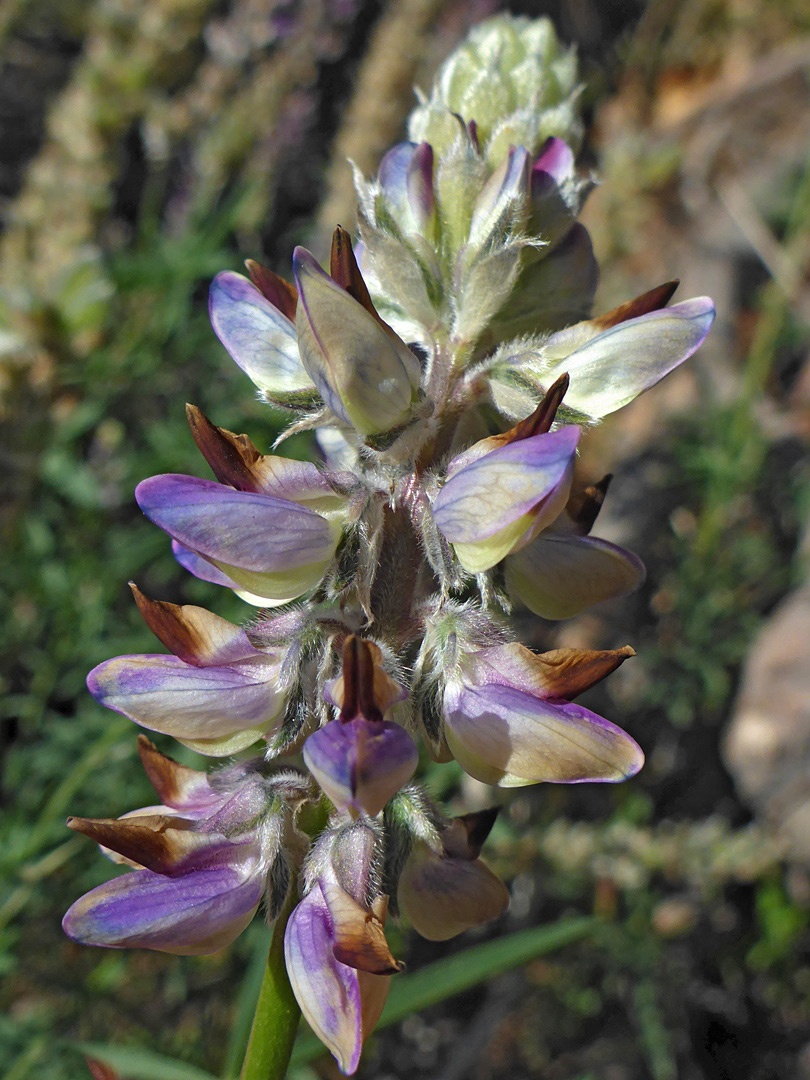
327	991
165	694
503	485
260	533
193	913
361	764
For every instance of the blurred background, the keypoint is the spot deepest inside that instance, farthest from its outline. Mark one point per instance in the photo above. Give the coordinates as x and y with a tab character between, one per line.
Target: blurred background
147	144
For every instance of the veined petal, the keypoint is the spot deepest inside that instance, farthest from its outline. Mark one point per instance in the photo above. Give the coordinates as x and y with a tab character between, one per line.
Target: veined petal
327	991
443	896
164	694
259	338
624	361
362	374
558	577
361	764
501	501
505	736
267	545
190	914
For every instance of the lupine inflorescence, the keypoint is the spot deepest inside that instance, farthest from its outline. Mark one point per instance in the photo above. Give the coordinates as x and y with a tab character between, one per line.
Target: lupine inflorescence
448	367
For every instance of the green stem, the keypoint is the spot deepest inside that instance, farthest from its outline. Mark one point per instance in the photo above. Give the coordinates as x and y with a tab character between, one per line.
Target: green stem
275	1021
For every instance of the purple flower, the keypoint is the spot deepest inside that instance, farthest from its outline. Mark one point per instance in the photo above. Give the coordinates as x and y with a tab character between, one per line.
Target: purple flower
361	760
498	497
258	330
268	545
337	957
217	693
199	863
612	359
508	719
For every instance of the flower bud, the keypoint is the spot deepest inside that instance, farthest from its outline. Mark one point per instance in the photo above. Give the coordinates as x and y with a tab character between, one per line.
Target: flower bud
217	693
270	546
364	375
510	76
260	337
406	194
505	723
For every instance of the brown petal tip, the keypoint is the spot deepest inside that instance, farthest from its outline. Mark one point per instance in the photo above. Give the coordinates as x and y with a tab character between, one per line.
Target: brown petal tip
279	292
649	301
232	457
465	835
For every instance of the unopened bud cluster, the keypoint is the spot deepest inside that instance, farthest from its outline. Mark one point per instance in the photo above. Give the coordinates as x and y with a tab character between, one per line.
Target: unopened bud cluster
448	367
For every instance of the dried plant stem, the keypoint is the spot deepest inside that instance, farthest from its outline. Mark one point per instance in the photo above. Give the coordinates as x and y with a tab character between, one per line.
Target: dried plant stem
275	1021
378	106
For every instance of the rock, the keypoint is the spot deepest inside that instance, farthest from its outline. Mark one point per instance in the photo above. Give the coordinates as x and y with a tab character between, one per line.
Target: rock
767	745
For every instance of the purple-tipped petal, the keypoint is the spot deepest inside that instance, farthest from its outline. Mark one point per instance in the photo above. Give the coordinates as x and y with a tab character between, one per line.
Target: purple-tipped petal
501	735
327	991
405	177
191	914
259	338
556	158
499	502
361	764
558	577
419	179
165	694
267	545
616	366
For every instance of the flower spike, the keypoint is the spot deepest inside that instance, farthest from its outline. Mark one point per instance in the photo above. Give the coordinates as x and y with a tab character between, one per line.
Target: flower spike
447	368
